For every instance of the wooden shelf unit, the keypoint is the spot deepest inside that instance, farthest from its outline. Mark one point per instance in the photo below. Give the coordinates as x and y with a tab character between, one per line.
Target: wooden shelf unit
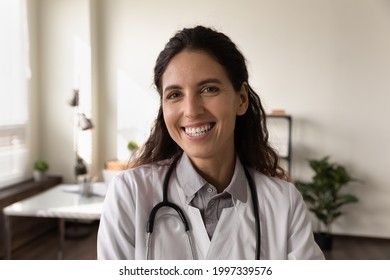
280	131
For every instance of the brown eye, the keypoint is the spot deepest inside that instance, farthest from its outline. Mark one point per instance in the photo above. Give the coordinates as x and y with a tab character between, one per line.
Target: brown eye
210	89
173	95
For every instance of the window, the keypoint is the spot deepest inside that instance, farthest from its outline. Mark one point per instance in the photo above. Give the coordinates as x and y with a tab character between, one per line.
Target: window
14	72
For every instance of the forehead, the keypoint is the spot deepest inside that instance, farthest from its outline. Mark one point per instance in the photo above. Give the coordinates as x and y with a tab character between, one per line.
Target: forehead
192	66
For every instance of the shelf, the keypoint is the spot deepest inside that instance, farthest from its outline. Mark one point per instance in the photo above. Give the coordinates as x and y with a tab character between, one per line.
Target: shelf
279	129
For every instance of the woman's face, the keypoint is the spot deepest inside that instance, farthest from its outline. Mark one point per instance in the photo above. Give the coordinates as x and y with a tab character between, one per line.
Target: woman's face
200	106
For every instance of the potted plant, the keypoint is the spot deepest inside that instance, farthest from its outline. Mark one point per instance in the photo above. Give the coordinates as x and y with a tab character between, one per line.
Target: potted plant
114	167
132	146
40	168
324	196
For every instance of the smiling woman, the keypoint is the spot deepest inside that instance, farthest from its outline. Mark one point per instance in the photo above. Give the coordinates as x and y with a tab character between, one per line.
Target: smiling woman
207	174
200	107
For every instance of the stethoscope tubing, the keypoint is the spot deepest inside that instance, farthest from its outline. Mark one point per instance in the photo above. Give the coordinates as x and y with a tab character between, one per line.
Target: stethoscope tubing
256	212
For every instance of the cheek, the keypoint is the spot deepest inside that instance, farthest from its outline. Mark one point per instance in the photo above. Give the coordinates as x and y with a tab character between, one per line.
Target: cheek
169	118
226	111
229	122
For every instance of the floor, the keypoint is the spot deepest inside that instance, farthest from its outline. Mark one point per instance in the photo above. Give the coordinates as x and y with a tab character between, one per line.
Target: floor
46	248
75	248
359	248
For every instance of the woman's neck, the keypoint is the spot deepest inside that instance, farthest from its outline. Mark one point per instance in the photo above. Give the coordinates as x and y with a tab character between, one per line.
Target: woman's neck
216	171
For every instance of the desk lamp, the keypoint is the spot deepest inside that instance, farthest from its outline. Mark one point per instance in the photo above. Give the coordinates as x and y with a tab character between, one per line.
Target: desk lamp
81	122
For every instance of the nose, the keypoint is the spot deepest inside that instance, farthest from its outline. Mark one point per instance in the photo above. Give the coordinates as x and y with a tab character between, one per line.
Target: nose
193	106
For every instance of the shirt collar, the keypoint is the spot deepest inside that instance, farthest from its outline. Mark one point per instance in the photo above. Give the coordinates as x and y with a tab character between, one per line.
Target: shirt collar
191	182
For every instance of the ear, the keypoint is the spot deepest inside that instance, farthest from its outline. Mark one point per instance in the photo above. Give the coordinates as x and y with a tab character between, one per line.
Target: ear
243	101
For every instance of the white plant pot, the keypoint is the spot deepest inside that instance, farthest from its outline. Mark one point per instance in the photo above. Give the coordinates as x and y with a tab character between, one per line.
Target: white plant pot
39	176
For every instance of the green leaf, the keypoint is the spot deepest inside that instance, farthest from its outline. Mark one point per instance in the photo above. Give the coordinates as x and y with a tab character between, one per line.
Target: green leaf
40	165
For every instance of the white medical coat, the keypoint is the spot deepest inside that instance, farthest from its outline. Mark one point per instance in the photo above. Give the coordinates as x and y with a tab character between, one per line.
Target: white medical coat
286	231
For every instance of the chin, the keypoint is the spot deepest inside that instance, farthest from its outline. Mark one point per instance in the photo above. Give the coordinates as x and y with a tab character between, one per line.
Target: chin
198	154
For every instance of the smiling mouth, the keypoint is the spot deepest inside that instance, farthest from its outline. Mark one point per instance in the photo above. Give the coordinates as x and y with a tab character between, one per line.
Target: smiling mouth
198	131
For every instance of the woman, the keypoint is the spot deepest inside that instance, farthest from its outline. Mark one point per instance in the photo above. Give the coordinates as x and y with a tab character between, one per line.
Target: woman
211	130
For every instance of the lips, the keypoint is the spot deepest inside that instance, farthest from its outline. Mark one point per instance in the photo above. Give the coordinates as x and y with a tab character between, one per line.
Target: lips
197	131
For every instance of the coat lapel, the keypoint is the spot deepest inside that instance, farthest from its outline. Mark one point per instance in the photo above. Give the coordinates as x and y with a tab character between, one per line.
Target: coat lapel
223	239
198	233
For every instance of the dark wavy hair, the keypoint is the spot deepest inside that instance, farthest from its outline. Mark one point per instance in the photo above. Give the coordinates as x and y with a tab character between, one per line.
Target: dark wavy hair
250	135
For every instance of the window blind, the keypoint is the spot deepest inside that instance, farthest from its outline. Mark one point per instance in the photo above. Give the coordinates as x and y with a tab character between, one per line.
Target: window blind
14	75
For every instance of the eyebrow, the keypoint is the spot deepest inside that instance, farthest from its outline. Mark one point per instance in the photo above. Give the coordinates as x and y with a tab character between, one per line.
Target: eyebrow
203	82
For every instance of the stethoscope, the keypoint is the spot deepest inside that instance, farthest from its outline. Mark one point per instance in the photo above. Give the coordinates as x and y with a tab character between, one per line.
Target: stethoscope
165	203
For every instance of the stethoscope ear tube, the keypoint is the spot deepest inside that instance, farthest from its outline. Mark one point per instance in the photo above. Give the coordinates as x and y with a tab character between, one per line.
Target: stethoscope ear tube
150	224
166	203
255	200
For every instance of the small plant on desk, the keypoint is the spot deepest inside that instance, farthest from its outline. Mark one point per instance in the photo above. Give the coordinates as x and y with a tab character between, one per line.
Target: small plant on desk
40	168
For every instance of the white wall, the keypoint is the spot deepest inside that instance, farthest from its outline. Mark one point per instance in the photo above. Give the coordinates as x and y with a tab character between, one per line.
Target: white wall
63	35
325	62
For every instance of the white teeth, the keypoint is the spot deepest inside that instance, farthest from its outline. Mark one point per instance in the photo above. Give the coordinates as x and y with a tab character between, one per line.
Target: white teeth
197	131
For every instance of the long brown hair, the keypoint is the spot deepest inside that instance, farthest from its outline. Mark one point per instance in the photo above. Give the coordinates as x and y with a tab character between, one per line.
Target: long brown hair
251	134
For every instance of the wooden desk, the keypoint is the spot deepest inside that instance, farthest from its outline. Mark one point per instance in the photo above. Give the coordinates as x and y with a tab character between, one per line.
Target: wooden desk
25	229
60	202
